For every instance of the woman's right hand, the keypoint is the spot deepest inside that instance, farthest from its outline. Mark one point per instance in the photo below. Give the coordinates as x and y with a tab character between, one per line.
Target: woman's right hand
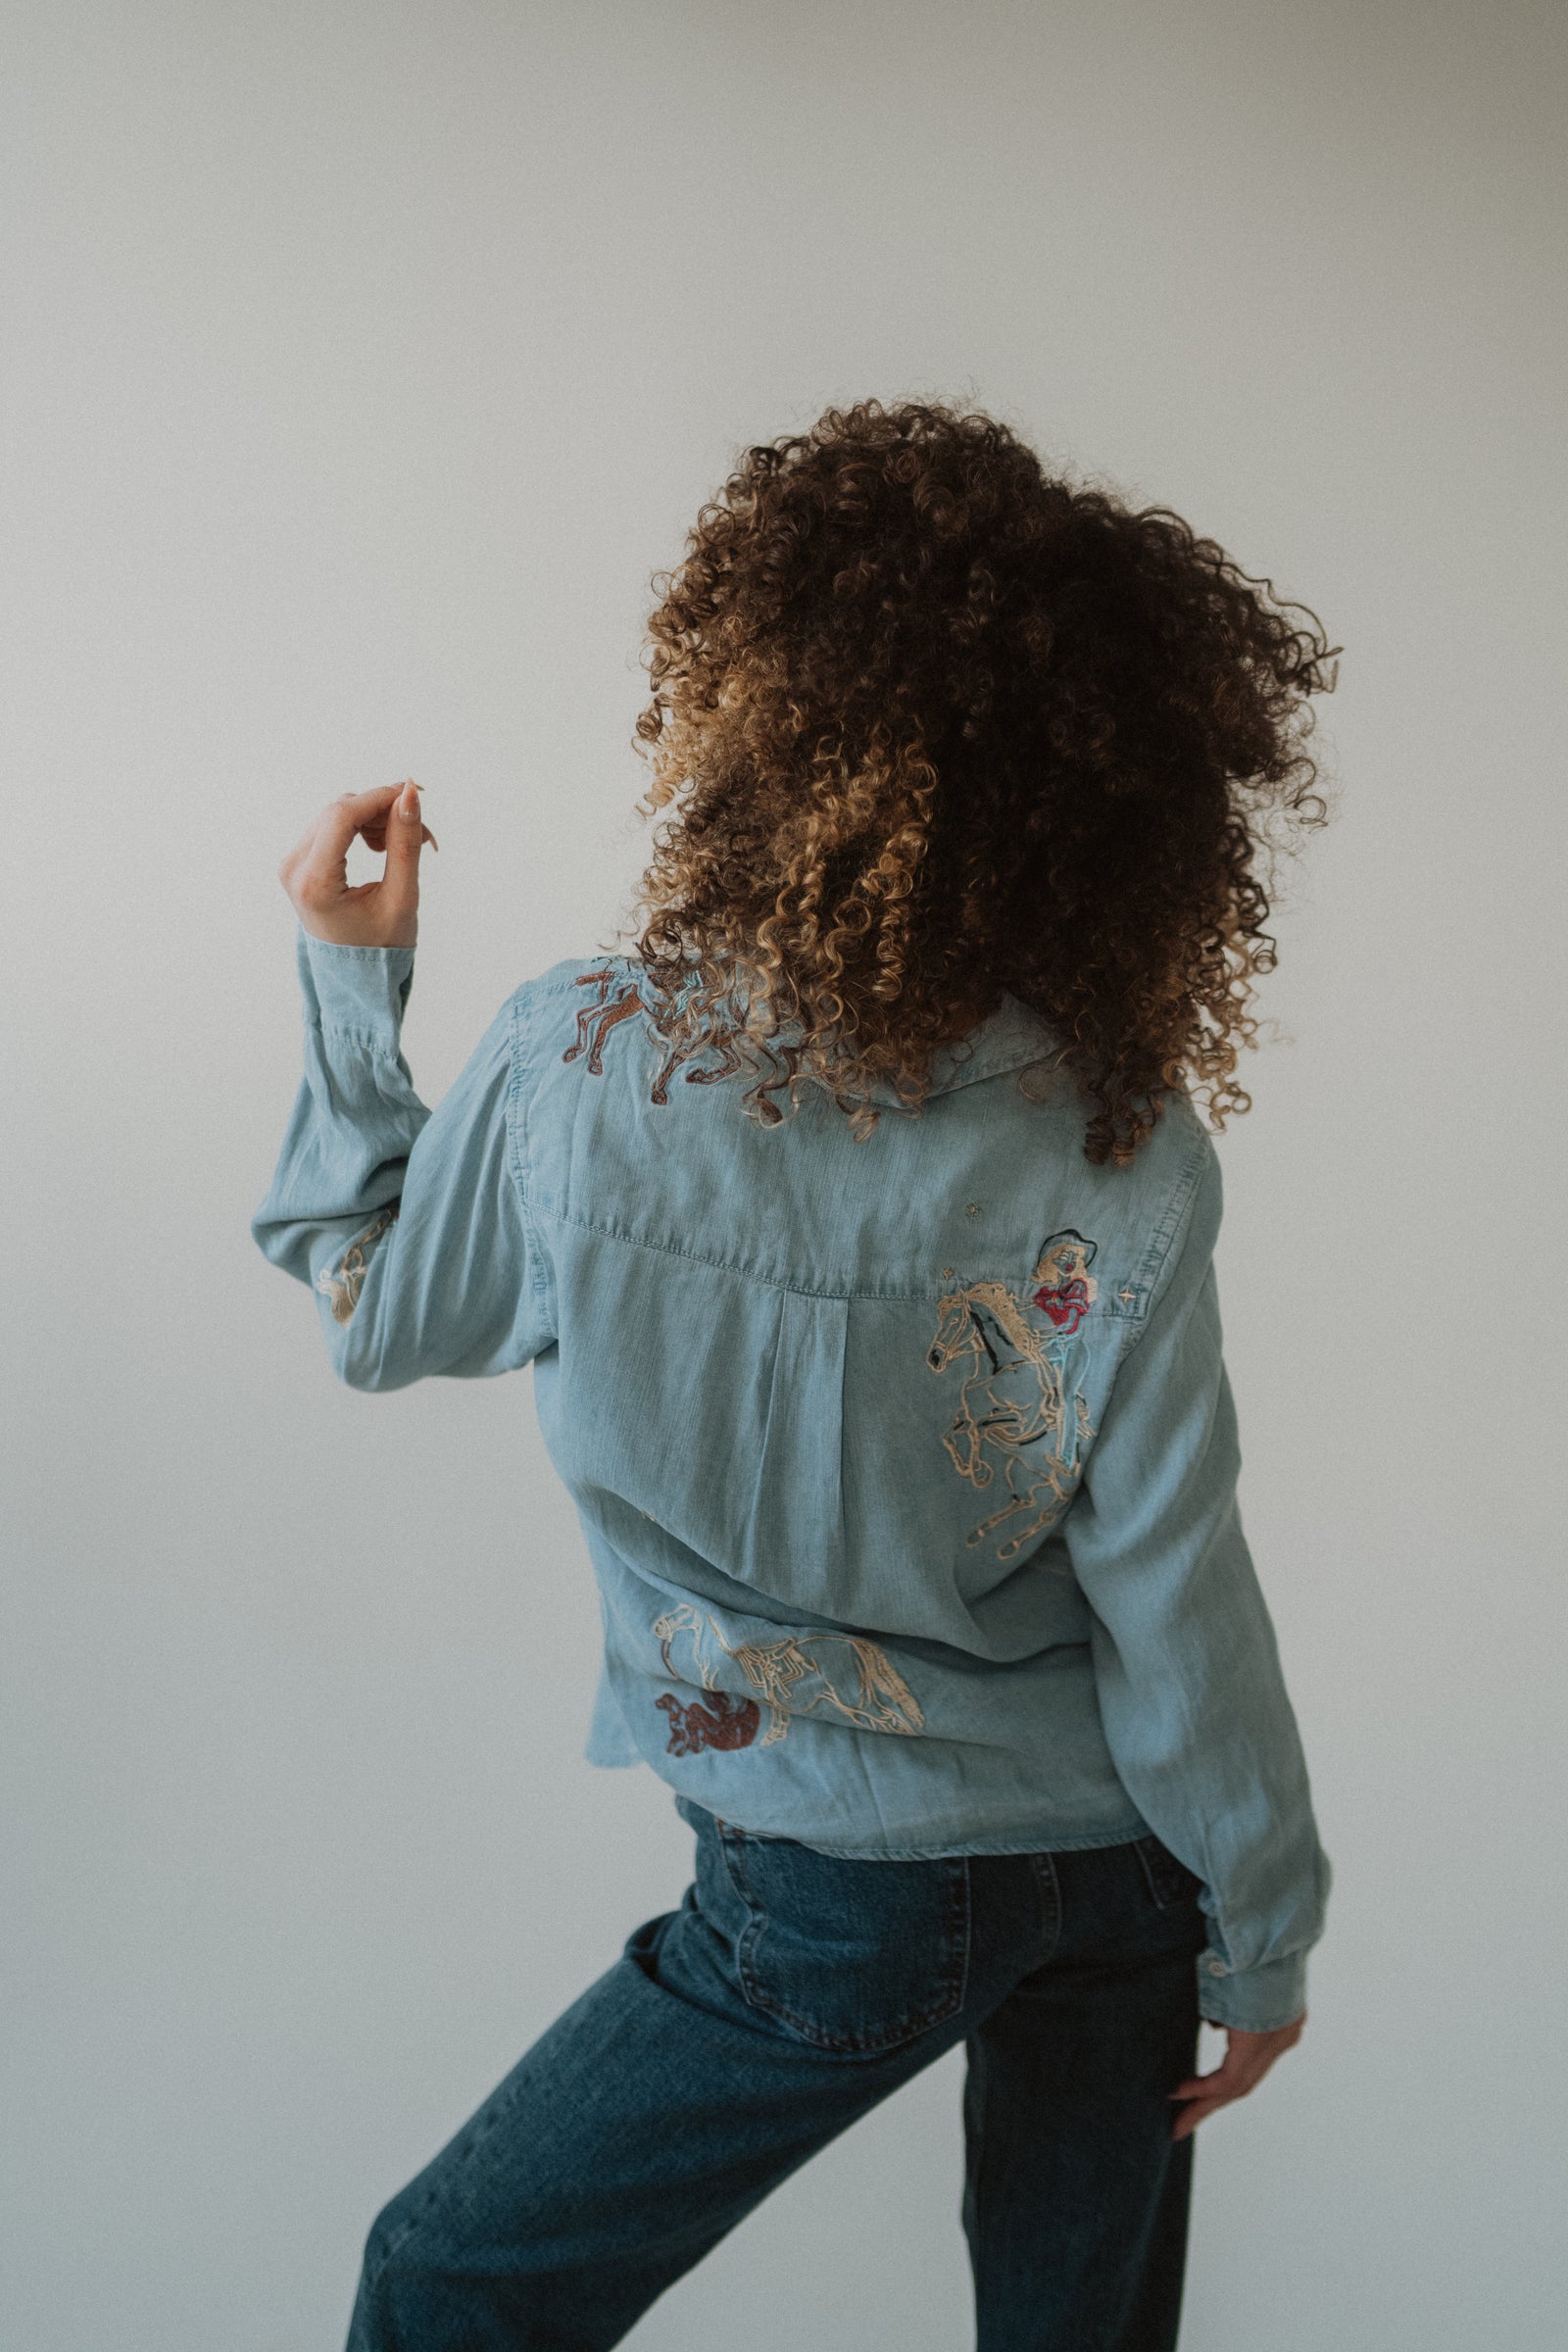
366	915
1247	2060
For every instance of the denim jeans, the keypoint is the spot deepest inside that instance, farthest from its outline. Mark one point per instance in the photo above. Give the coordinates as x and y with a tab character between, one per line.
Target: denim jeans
738	2034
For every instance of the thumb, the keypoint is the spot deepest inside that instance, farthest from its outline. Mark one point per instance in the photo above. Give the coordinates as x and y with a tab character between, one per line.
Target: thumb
405	835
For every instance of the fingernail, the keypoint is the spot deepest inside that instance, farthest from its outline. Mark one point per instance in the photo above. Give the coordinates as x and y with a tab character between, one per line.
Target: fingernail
409	805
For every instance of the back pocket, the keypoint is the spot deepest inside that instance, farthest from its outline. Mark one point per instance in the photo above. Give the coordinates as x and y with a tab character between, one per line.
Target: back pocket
852	1957
1169	1881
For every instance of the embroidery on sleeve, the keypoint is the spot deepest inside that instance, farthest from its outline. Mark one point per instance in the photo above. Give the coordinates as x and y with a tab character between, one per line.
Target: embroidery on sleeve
344	1285
792	1678
1014	1406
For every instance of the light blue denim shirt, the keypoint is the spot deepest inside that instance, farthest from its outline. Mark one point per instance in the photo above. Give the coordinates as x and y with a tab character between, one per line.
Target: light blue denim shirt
906	1466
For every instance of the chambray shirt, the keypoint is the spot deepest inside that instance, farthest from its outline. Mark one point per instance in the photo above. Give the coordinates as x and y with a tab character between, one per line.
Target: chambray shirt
906	1466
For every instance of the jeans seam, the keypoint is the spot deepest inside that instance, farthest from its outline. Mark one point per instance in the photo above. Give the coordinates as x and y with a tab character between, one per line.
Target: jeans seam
962	1891
1047	1886
390	2247
1146	1864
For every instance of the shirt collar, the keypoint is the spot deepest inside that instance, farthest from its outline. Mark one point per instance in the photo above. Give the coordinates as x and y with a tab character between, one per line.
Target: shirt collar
1007	1039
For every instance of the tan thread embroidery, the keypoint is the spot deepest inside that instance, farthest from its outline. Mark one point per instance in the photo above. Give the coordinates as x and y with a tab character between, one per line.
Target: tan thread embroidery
783	1671
344	1286
1014	1394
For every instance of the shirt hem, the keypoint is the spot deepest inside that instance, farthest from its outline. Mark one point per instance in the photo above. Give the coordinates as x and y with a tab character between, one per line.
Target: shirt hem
1089	1843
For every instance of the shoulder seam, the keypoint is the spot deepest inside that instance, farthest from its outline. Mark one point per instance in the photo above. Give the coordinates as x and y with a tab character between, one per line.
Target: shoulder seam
514	1103
517	1160
1166	1242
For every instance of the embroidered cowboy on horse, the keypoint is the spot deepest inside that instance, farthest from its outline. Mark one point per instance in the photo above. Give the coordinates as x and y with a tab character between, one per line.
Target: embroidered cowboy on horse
1015	1410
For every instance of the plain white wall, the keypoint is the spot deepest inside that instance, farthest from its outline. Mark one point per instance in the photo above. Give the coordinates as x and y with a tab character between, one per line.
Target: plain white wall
359	363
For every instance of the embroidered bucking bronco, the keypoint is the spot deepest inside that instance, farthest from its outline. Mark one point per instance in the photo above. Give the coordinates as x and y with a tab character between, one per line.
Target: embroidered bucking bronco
791	1676
607	1012
1014	1409
344	1285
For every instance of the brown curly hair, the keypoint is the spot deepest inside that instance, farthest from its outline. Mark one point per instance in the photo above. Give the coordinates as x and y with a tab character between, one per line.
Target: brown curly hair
936	726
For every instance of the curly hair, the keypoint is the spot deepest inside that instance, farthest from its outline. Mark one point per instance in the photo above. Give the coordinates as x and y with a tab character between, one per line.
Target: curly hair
932	726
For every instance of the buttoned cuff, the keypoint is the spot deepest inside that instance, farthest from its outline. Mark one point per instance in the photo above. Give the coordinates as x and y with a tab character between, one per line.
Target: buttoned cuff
1254	1999
359	991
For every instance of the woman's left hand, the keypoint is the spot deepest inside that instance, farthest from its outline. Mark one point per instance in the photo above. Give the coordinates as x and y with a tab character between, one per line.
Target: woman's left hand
1248	2059
370	914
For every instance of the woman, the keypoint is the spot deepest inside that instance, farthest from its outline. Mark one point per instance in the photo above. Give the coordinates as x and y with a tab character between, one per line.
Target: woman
859	1225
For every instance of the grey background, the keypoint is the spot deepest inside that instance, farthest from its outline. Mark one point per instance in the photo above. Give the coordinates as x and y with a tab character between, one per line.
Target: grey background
359	363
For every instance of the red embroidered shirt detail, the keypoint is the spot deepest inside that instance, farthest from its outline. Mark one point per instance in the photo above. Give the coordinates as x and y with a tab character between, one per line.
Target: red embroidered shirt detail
716	1721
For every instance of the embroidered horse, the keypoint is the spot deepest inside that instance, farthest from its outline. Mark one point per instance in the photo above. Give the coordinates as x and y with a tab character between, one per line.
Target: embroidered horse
1014	1408
605	1012
792	1678
344	1285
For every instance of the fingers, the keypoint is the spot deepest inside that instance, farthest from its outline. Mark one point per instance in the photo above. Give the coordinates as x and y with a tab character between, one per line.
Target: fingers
1238	2074
1247	2060
1229	2081
1190	2118
374	835
400	889
320	856
373	829
315	872
363	812
342	818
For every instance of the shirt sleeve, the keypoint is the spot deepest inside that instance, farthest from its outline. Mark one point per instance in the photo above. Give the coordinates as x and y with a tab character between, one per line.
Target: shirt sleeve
408	1224
1187	1666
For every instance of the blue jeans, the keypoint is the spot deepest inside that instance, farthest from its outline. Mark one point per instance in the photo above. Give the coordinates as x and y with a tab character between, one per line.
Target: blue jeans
740	2034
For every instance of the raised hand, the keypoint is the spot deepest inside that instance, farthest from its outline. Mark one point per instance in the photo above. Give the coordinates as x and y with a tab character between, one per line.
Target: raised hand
370	914
1247	2060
